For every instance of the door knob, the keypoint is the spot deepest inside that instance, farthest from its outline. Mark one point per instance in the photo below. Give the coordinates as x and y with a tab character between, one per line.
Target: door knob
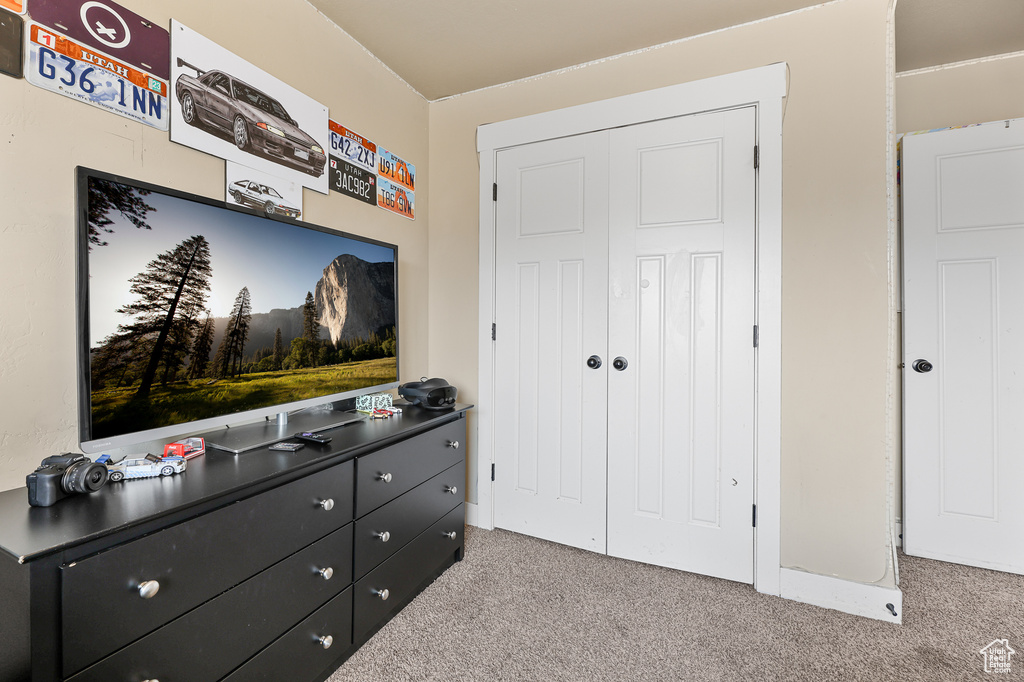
594	362
620	363
922	366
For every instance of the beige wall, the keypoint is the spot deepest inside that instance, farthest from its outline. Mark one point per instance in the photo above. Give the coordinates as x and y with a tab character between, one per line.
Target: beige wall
835	305
45	136
972	92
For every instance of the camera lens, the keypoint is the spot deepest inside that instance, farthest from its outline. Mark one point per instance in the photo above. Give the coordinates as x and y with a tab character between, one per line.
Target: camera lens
84	477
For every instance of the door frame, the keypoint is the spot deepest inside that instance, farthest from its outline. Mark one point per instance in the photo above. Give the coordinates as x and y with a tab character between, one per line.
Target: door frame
763	88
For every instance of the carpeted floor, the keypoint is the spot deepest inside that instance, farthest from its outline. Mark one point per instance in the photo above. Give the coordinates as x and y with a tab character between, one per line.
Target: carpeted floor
518	608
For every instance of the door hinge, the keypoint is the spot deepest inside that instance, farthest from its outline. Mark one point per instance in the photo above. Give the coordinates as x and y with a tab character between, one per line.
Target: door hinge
494	331
494	192
753	518
492	471
757	157
755	336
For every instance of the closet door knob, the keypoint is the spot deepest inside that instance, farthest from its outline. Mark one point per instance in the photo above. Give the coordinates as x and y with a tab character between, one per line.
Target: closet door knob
620	363
594	362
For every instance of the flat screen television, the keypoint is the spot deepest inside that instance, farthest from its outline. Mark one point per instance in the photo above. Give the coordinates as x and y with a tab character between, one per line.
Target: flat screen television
196	316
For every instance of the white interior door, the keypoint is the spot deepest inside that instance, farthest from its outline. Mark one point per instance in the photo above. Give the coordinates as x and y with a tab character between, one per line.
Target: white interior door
551	272
963	313
681	315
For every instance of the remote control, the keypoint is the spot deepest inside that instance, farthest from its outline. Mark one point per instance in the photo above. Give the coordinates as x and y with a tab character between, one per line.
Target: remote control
288	447
313	437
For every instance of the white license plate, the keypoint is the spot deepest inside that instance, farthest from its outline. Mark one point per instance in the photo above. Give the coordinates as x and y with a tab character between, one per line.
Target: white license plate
302	154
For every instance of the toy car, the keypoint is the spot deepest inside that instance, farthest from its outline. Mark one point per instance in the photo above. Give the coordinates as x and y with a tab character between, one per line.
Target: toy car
186	447
145	467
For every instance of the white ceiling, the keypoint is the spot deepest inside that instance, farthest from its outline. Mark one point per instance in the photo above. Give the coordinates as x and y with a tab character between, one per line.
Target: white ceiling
447	47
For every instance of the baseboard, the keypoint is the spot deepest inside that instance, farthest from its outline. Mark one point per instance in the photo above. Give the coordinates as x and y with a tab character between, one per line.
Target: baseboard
860	599
473	514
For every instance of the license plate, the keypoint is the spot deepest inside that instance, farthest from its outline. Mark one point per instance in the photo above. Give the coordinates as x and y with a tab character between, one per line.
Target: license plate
59	64
353	148
302	154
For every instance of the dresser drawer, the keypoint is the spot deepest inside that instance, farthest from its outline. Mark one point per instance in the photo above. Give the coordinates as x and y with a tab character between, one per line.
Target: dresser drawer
210	641
406	570
384	531
300	654
102	604
384	475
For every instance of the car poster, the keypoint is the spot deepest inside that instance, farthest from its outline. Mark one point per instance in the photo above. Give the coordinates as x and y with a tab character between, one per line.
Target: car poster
225	106
395	198
396	170
11	30
251	188
61	65
16	6
105	26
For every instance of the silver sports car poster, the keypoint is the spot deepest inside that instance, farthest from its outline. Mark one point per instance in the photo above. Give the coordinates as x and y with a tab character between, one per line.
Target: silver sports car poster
225	106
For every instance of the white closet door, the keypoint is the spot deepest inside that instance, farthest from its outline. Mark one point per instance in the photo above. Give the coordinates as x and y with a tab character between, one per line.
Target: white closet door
681	314
551	271
963	313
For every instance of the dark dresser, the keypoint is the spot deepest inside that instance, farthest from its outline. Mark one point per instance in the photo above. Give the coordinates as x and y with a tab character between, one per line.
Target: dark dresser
261	566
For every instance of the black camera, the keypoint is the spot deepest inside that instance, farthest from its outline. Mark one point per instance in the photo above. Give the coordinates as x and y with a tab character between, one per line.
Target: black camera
61	475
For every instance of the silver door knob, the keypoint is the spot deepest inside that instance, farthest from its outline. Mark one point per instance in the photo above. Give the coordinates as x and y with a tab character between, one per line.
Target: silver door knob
384	536
453	444
327	504
620	363
922	366
326	573
383	594
451	535
594	362
451	489
326	641
385	477
148	589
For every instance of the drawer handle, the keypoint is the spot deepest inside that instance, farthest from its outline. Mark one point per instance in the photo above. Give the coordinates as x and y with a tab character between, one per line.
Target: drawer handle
383	594
451	535
326	641
453	444
385	477
383	535
148	590
326	573
150	680
327	504
451	489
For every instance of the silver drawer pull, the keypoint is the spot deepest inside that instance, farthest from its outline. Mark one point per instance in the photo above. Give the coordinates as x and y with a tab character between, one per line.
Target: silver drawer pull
383	535
451	535
150	680
383	594
385	477
453	444
451	489
148	590
326	641
326	573
327	504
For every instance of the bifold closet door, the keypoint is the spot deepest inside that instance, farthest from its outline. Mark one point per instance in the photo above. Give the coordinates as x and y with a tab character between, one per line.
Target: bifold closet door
551	303
681	316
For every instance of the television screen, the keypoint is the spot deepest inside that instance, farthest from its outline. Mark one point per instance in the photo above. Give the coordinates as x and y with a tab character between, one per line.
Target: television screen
195	315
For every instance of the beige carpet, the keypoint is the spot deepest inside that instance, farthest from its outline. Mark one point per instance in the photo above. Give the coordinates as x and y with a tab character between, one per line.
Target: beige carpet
518	608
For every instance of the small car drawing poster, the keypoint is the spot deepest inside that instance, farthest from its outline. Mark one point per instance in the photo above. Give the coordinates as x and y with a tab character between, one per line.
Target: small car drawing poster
225	106
61	65
251	188
395	198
